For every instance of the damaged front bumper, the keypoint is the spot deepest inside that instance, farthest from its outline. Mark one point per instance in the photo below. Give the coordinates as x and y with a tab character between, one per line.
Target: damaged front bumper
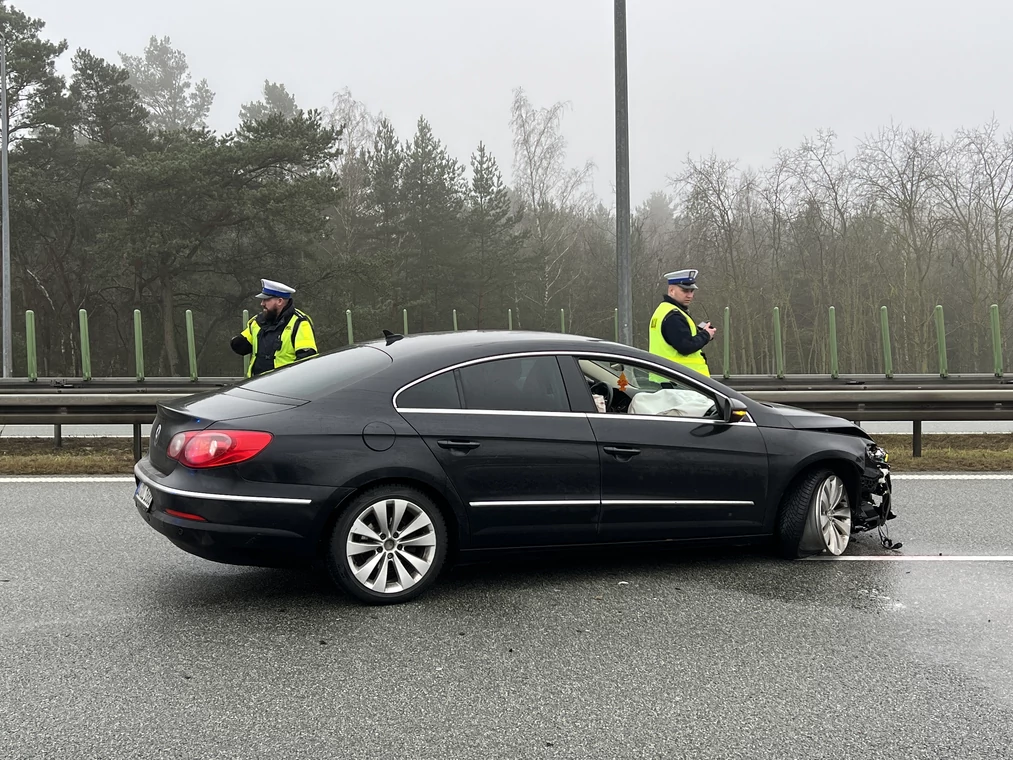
875	501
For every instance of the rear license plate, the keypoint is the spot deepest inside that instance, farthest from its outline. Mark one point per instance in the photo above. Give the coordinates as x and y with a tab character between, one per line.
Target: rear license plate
143	495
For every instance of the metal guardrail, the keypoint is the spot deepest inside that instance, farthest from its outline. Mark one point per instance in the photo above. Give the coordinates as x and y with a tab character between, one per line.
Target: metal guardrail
858	405
912	398
891	405
113	385
778	342
868	397
738	382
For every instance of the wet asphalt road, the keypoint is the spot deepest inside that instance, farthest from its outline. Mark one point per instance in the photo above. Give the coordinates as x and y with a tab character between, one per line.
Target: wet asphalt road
115	644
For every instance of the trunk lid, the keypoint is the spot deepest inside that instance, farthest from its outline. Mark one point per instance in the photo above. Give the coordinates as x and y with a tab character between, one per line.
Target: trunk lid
201	411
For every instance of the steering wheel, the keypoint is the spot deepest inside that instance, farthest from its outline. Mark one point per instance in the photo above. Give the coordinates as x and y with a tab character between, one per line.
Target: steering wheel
602	388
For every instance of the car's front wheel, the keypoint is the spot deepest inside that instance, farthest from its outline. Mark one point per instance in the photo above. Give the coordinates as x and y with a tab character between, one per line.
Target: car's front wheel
388	545
815	516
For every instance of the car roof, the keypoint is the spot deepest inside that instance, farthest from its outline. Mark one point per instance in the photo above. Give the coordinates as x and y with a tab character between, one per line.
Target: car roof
495	341
440	349
428	352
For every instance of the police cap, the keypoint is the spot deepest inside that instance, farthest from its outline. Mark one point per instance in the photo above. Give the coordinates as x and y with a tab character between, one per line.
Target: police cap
273	289
684	278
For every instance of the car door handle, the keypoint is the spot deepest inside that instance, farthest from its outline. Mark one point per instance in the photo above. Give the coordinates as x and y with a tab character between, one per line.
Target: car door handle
461	445
621	452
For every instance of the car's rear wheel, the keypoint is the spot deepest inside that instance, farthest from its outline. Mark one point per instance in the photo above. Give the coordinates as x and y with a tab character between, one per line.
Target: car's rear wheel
815	516
388	546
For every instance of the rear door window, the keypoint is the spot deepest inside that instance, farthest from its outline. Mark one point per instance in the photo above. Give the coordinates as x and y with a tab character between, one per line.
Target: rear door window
522	384
439	392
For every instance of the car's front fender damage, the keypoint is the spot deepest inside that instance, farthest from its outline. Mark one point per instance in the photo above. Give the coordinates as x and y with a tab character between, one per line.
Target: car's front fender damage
875	504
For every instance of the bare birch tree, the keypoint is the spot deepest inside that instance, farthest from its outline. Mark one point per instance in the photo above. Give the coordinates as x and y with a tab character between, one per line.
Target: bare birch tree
558	198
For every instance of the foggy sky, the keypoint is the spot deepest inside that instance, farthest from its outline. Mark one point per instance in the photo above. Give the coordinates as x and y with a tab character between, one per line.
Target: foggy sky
738	77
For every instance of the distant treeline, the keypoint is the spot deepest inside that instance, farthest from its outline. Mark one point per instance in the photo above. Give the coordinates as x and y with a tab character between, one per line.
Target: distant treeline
121	198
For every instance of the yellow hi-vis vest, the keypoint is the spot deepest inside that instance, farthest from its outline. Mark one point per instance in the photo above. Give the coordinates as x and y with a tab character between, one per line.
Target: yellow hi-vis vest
290	343
660	347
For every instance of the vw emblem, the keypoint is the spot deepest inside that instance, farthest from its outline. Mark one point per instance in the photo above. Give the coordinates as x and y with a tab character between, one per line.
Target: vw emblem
158	432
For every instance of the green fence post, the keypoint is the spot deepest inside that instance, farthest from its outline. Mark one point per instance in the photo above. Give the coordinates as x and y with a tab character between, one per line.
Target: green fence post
778	347
33	361
887	351
941	338
405	315
615	320
510	319
834	368
249	358
191	346
455	320
562	320
82	316
348	321
138	347
726	364
996	340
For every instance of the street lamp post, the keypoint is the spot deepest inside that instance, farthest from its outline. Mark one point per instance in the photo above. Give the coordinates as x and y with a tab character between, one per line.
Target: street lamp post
8	364
625	294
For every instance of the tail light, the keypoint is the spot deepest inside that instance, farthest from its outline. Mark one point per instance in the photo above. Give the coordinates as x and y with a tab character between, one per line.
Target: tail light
215	448
185	515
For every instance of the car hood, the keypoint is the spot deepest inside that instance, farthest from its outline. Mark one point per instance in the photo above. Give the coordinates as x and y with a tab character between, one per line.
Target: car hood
804	419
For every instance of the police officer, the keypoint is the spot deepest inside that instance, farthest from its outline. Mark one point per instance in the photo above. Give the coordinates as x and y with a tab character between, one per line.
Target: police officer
281	334
673	334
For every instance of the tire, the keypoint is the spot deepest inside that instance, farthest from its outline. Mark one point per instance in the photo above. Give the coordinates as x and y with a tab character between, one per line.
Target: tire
815	517
365	559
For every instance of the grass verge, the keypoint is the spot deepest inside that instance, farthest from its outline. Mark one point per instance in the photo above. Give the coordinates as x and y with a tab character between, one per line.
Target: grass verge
988	452
77	456
985	452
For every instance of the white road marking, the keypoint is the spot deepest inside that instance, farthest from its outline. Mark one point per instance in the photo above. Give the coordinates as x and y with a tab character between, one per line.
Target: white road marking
912	558
69	479
952	476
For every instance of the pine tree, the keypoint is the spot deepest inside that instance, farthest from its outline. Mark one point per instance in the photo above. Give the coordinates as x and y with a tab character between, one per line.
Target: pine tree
433	198
207	213
382	263
162	79
277	99
66	202
106	109
494	241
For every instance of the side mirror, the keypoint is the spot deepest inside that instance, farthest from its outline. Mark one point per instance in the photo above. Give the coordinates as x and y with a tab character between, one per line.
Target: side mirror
737	411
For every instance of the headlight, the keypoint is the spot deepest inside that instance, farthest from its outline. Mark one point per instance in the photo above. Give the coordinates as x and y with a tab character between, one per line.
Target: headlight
878	454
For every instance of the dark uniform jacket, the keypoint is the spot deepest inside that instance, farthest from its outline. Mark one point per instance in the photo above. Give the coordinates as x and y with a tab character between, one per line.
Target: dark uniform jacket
268	340
675	331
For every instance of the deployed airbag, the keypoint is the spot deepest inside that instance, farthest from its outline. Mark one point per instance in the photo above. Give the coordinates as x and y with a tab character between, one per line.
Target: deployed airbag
670	402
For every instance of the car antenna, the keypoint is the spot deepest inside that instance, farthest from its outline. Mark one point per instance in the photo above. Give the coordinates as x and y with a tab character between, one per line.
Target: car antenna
392	337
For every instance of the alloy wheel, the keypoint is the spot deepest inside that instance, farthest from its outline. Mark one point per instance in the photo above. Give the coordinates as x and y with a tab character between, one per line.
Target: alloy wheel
391	546
833	512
